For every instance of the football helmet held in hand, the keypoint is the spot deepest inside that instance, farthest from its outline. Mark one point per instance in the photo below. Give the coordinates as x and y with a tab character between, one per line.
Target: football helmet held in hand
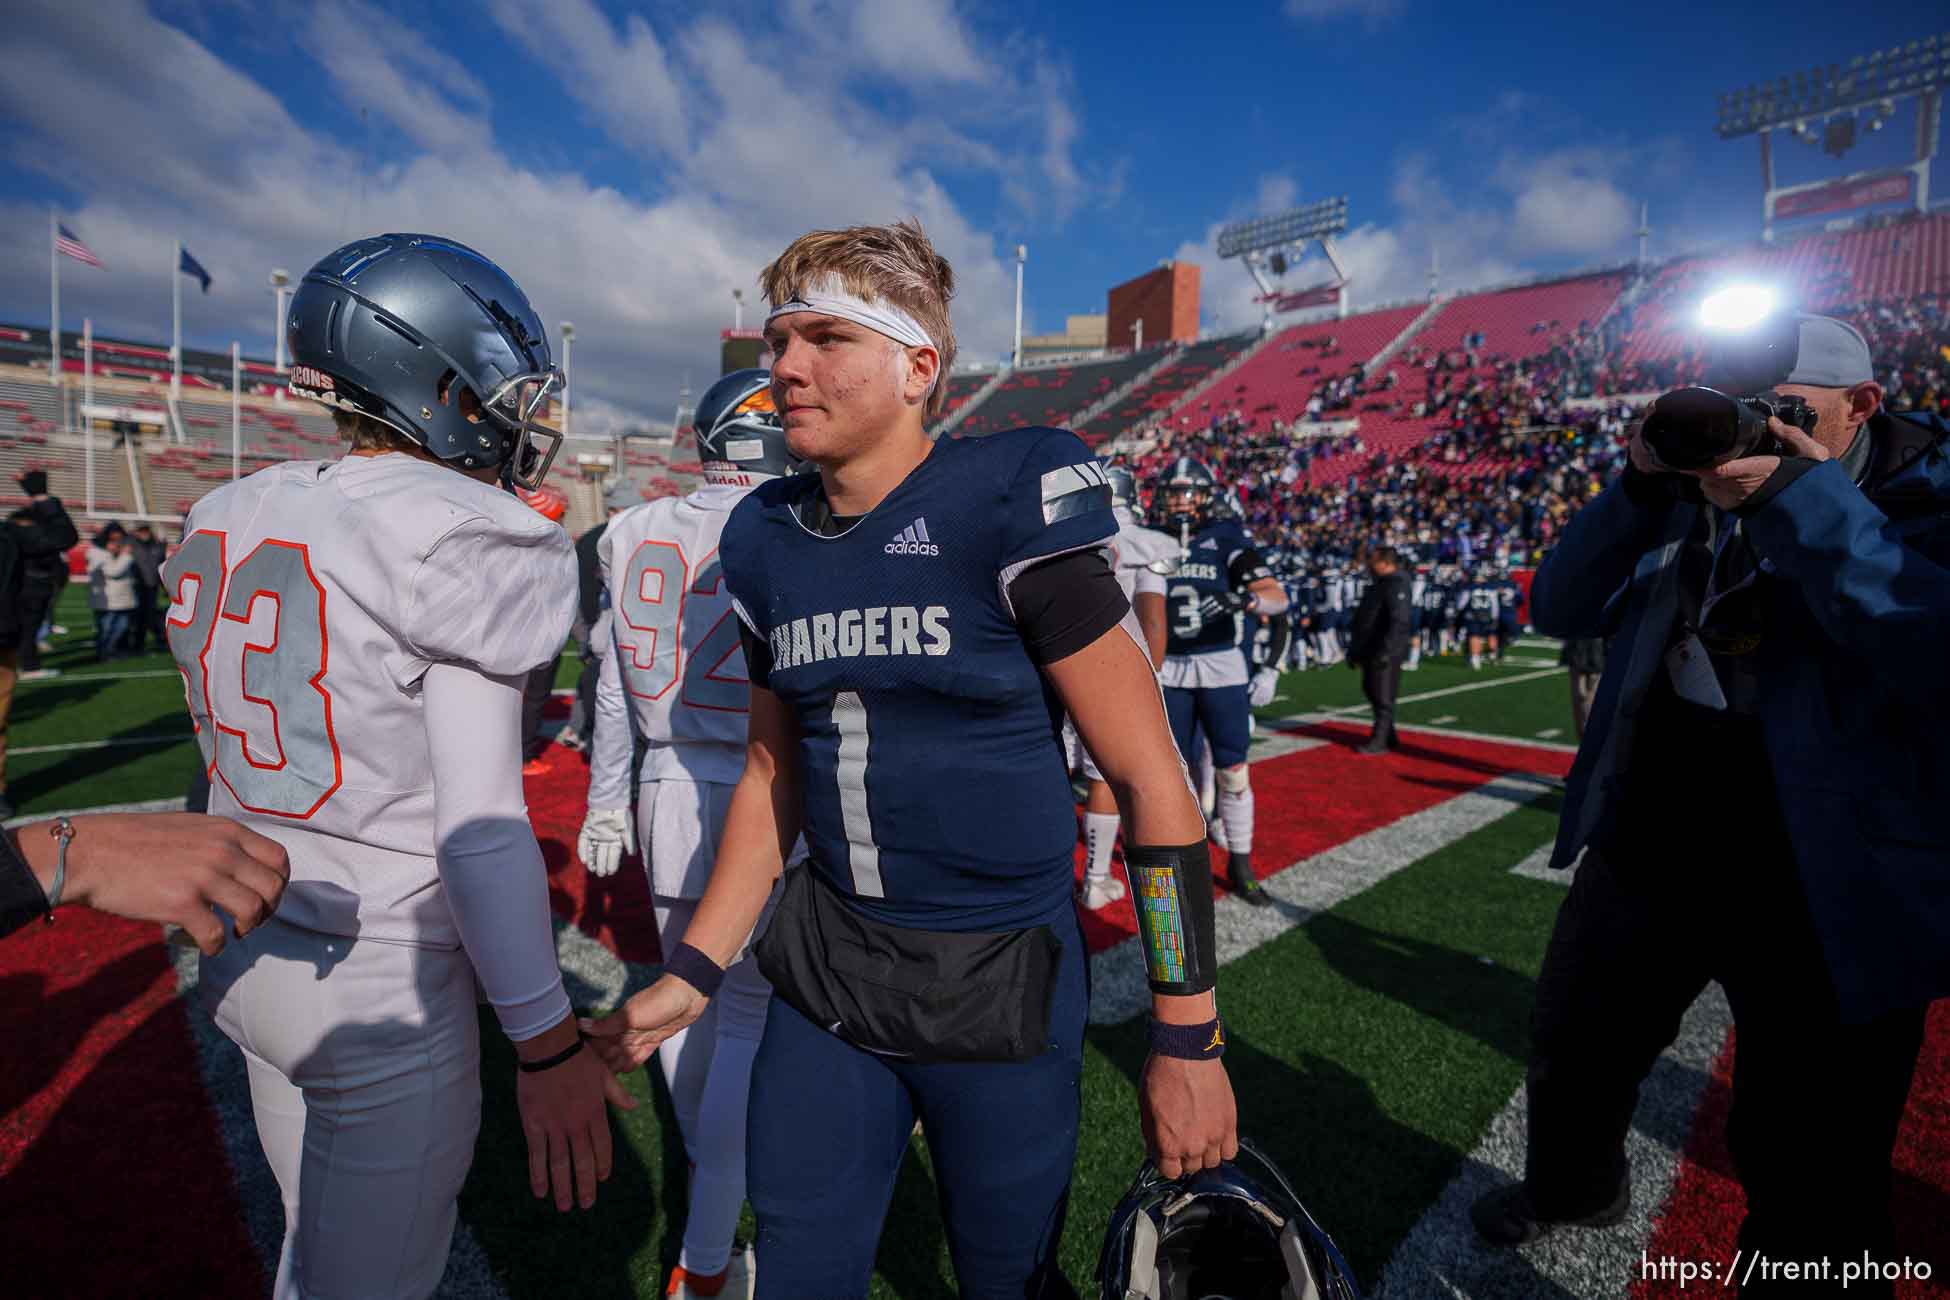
1237	1231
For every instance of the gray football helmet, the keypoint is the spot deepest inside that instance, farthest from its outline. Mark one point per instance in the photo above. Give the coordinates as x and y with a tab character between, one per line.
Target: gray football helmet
398	327
739	430
1123	486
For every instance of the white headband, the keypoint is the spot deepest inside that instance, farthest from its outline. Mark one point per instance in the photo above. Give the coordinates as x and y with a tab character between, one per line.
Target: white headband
829	297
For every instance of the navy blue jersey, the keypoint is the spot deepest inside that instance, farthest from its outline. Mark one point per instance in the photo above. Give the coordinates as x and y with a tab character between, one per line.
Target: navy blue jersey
1480	605
936	793
1508	597
1221	558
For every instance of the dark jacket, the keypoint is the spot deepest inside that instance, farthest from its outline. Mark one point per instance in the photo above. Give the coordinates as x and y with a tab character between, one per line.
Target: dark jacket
1853	695
149	557
44	572
589	575
1583	654
1380	631
40	530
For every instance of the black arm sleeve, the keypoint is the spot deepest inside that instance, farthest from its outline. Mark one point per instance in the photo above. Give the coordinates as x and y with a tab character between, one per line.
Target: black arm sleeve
1064	604
21	899
758	657
1279	637
1248	567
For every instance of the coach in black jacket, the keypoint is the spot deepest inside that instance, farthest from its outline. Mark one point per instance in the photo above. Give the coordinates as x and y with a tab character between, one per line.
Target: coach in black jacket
1378	644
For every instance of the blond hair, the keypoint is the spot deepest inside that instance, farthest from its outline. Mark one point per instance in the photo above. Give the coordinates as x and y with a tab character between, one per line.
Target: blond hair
368	434
893	264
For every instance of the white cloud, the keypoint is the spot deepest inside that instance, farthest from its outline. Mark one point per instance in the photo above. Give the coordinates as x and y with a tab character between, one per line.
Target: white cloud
1524	212
161	138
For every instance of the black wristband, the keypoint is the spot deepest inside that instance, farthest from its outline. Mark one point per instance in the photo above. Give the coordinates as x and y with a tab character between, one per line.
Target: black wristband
1206	1042
550	1062
695	969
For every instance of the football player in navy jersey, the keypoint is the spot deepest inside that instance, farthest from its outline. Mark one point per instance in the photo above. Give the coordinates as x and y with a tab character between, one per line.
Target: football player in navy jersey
1205	675
917	618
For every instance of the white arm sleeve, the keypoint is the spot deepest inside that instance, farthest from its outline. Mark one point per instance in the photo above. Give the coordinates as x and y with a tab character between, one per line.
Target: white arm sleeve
614	744
486	851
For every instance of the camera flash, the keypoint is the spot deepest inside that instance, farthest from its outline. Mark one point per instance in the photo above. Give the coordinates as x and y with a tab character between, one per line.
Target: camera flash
1737	307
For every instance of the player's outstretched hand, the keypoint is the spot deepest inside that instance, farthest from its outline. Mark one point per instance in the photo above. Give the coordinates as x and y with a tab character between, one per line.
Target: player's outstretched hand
169	867
626	1036
1188	1115
562	1117
608	836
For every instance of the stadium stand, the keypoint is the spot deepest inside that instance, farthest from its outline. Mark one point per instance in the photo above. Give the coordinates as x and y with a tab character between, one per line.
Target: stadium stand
1192	367
1051	394
1277	382
1898	259
961	388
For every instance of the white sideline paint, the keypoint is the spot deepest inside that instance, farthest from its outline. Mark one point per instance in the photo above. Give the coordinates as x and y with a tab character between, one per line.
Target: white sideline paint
1550	733
1313	885
1442	1256
1464	689
1538	867
1444	720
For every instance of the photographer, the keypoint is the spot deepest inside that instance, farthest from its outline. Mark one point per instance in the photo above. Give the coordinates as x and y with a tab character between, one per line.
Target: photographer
1758	797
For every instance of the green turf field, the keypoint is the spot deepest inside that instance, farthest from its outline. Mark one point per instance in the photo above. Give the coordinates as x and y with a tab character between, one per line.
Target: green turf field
1369	1048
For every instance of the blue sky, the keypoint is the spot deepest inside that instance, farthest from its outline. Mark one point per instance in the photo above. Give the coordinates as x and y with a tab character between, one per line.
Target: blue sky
632	162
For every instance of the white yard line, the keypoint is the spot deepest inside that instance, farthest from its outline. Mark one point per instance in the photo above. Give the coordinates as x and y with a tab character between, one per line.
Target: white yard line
61	678
1442	721
124	742
143	806
1410	729
1550	733
1442	1256
1464	689
1313	885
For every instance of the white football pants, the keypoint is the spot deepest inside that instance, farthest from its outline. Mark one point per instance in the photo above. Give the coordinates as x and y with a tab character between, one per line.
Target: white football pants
364	1063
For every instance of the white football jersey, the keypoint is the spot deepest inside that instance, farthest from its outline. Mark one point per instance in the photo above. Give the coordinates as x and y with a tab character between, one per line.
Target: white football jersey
1134	550
308	601
674	646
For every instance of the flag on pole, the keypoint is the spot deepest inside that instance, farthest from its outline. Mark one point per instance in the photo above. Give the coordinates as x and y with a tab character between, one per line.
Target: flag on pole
69	243
191	267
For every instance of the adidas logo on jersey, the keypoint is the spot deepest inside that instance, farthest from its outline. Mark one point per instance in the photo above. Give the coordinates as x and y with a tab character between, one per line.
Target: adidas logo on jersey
912	540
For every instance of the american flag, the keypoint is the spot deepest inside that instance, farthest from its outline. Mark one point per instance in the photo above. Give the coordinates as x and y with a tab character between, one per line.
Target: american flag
66	241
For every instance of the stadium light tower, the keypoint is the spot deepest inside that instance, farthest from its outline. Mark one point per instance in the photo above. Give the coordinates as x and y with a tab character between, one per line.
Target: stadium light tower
1022	257
1262	244
1822	105
568	337
737	309
280	294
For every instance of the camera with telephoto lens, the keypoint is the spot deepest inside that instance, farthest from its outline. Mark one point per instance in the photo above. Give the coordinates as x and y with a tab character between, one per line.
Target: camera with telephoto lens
1695	428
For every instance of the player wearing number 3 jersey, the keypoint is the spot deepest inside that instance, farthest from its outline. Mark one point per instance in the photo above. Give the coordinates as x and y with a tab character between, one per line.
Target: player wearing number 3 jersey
352	636
674	676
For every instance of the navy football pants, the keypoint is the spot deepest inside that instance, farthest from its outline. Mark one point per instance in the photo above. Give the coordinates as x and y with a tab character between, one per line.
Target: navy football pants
1223	713
830	1124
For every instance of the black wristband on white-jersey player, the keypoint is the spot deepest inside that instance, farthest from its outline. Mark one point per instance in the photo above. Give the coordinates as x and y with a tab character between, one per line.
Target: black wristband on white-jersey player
1171	891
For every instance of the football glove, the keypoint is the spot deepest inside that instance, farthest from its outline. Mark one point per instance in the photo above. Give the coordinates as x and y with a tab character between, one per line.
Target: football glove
608	836
1265	682
1214	608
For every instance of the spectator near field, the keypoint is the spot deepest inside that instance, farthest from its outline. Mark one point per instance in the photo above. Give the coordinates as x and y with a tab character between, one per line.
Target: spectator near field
1378	642
43	529
1758	802
112	582
146	620
41	576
